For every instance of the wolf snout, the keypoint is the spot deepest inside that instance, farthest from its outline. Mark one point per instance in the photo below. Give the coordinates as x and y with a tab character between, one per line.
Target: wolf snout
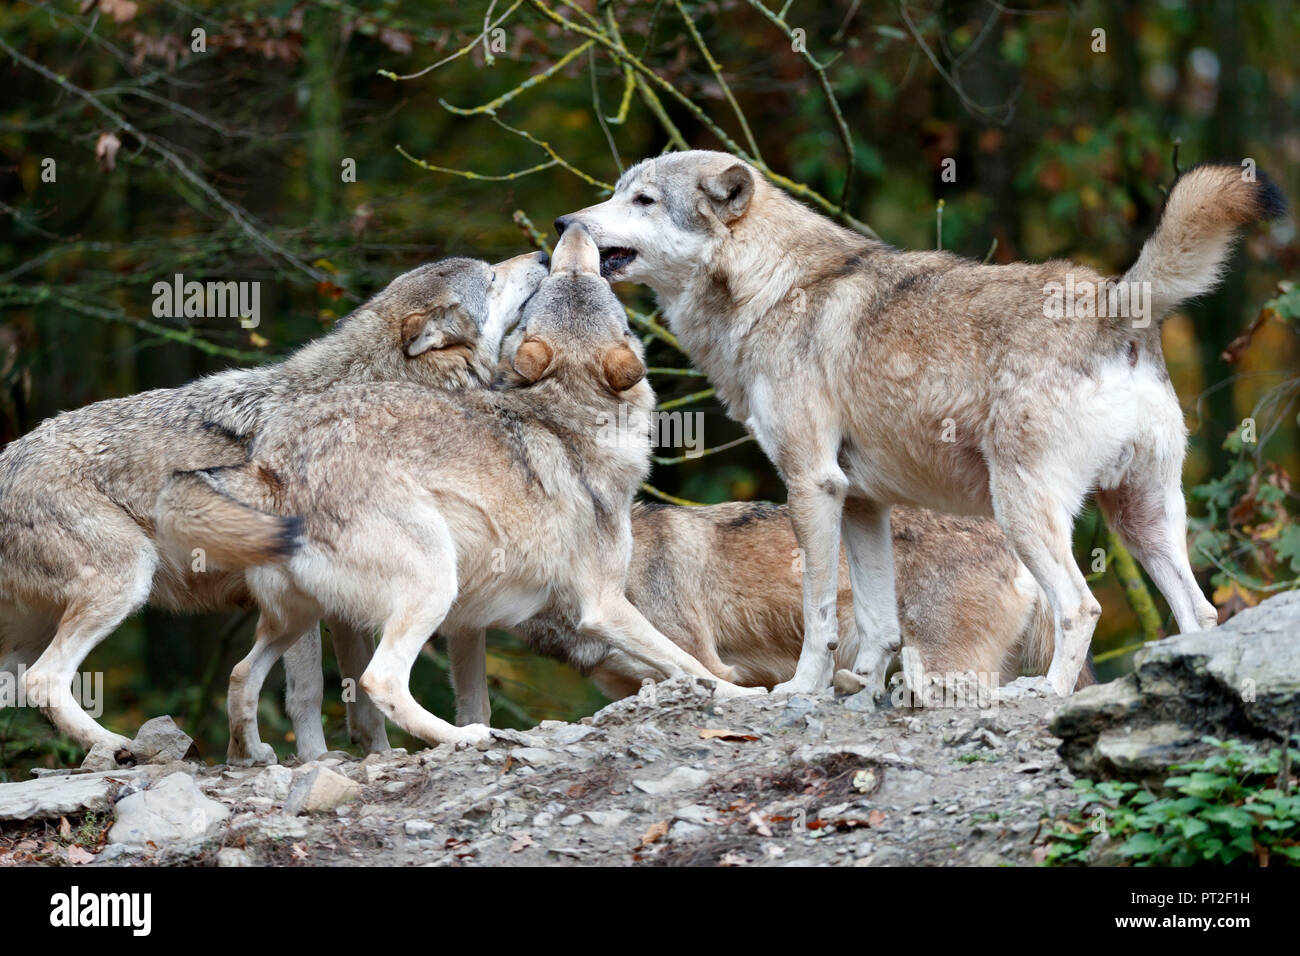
562	223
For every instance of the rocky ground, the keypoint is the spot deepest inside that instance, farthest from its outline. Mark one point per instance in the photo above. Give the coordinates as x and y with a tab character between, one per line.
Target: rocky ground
673	777
670	779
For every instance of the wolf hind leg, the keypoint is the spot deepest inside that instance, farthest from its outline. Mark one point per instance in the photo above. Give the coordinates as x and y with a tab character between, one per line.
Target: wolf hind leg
102	600
467	652
277	630
1039	530
304	693
354	647
1150	517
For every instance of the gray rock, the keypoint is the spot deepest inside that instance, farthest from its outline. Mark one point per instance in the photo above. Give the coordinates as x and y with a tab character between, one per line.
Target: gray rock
321	789
420	829
683	778
56	796
233	856
1240	680
606	818
681	830
173	810
273	783
161	741
695	813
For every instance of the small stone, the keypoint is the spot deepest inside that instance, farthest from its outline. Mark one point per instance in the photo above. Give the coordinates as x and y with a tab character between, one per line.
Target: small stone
695	813
533	756
683	778
172	810
161	741
846	683
420	829
233	856
273	783
572	820
606	818
320	790
681	830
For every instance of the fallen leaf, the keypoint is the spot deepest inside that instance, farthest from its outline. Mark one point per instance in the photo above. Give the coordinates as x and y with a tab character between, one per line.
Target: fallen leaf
260	341
1040	854
655	833
875	818
299	851
759	827
724	734
65	828
522	842
106	148
77	855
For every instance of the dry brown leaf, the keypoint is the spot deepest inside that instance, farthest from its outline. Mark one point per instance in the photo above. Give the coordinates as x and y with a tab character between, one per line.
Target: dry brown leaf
759	826
655	833
875	818
522	842
77	855
721	733
106	148
299	852
65	828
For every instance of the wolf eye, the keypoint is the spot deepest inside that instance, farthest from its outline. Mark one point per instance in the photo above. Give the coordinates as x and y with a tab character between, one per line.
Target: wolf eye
643	200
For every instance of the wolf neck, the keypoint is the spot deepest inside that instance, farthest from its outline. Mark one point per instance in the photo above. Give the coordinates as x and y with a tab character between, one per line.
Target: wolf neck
724	315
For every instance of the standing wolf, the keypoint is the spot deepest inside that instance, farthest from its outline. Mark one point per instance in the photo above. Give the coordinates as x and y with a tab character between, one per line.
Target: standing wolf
478	513
873	377
80	496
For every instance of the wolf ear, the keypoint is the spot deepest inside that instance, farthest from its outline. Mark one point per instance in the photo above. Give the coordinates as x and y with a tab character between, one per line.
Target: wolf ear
438	327
622	368
533	358
730	191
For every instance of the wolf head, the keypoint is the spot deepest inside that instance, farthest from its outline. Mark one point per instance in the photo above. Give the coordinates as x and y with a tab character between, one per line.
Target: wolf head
575	328
445	321
666	214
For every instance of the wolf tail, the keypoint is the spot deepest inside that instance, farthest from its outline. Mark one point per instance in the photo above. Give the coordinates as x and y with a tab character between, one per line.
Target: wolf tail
1187	254
197	510
1038	641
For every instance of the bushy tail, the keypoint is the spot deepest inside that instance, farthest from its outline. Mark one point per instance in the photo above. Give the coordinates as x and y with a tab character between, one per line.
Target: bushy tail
195	511
1038	641
1188	252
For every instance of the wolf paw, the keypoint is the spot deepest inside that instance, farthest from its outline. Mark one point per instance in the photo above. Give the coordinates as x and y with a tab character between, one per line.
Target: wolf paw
478	736
258	755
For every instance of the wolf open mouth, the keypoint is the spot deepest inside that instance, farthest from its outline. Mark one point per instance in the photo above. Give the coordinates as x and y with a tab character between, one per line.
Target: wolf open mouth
615	258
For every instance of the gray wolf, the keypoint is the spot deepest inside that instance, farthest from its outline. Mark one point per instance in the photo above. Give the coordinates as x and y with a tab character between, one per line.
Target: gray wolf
82	494
721	582
474	513
874	377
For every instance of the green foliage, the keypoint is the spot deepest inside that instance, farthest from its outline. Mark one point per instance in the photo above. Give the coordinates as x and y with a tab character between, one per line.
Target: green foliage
1237	807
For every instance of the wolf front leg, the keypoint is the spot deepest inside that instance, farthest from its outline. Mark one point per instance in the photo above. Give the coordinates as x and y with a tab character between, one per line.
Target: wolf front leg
616	620
871	573
816	506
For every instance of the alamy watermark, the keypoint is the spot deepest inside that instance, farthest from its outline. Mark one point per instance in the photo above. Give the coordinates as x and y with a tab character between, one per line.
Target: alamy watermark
1109	298
87	690
208	300
631	427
